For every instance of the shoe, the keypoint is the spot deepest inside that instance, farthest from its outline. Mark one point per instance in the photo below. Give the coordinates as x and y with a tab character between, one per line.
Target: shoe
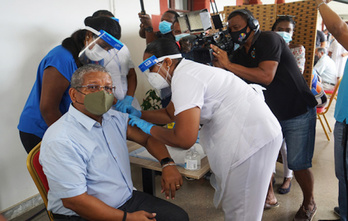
284	191
337	211
305	215
270	206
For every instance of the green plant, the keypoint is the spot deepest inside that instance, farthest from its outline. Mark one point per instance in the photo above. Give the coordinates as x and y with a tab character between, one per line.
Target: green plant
151	101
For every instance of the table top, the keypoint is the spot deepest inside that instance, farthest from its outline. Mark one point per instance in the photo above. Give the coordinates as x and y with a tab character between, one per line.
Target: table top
153	165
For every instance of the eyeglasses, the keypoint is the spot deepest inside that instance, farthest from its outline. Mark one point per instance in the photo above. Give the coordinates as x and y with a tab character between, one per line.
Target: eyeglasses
96	88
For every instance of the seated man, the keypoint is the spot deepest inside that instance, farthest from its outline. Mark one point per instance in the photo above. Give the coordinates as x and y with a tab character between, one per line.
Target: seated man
326	69
85	158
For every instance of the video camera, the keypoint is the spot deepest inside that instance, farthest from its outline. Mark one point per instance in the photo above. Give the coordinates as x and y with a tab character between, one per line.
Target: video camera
200	22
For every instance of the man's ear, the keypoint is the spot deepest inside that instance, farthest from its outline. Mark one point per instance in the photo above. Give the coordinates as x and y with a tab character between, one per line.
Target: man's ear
72	93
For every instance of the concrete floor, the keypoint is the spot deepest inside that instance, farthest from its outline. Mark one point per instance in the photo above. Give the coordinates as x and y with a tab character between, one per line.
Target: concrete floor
196	196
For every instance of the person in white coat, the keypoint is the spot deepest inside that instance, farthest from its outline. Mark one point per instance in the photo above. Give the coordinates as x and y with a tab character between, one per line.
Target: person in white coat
239	133
120	65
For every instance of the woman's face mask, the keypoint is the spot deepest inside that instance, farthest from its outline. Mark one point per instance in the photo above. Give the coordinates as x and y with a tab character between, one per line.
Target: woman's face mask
99	102
240	36
97	53
156	80
285	35
165	27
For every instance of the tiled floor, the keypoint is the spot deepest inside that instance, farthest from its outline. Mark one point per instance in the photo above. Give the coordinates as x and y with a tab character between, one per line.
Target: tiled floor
196	195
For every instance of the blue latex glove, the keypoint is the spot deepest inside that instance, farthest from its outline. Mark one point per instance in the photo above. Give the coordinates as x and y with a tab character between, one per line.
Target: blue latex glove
128	100
143	125
129	109
122	105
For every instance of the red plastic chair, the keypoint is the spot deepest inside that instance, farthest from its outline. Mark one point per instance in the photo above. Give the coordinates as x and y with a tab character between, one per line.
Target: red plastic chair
38	176
321	111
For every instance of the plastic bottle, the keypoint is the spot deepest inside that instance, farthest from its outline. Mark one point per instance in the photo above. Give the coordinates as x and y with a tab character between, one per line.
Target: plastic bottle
192	160
196	156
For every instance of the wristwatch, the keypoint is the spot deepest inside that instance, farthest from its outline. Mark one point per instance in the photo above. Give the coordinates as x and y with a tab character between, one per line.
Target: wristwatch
149	29
166	160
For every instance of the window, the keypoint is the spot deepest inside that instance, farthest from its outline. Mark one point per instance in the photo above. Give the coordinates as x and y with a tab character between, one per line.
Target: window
180	5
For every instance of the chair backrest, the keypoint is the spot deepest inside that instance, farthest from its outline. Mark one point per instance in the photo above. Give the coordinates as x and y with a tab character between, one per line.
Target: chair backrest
37	174
331	97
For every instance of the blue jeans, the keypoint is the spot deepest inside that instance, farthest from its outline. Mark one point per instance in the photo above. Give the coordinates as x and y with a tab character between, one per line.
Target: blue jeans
299	135
341	165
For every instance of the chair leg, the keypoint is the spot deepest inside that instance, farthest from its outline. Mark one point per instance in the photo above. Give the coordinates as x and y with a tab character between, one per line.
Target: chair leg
321	122
327	123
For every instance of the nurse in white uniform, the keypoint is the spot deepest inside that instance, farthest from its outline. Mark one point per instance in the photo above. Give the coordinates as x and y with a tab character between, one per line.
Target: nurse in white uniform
121	68
240	135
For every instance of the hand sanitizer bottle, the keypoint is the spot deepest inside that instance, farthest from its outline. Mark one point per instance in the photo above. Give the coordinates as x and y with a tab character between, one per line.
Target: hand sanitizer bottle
196	156
192	160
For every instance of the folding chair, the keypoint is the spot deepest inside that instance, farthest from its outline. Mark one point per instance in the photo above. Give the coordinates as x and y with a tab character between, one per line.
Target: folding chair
37	174
321	111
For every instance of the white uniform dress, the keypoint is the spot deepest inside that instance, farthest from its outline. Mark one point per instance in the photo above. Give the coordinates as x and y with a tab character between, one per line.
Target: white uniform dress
337	50
240	135
118	64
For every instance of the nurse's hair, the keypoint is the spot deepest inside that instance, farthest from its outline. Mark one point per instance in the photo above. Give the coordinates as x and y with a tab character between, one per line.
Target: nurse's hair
162	46
78	76
104	23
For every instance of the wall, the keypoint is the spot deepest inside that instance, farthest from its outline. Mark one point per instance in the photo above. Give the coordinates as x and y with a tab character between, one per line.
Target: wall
29	29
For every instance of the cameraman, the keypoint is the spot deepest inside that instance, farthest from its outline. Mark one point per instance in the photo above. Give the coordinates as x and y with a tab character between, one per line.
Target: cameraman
264	58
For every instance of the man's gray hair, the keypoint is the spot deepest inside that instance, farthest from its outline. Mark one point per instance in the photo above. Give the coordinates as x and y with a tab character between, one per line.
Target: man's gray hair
320	49
77	77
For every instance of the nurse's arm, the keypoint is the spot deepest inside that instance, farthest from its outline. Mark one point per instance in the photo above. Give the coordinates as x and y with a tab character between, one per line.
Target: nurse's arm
170	174
132	82
54	84
160	116
185	132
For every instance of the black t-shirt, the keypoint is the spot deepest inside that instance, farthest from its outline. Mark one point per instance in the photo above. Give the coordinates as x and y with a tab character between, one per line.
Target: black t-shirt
320	38
288	95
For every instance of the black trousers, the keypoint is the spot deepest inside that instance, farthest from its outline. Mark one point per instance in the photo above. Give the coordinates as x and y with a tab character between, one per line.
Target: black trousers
165	211
29	141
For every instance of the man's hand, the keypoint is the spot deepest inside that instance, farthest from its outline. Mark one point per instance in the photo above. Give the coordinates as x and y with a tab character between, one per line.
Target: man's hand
141	216
171	181
145	20
221	56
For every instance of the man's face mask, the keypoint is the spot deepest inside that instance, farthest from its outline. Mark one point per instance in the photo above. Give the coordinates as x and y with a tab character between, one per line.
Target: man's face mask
99	102
240	36
165	27
285	35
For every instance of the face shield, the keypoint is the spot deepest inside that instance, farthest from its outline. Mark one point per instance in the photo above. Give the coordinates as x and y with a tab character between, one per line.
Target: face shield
98	51
157	81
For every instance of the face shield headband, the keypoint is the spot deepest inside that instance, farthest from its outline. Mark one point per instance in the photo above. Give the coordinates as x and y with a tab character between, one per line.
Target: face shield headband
151	61
97	54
